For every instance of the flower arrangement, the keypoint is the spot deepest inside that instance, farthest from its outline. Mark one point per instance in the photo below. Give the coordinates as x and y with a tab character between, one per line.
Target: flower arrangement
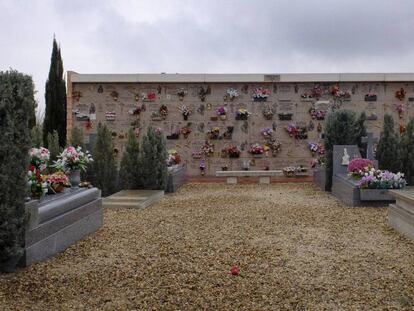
158	131
202	167
274	146
174	157
289	171
232	151
110	115
256	149
261	94
338	94
58	181
36	182
221	111
214	133
316	148
207	148
196	154
151	96
317	114
358	166
135	111
231	94
203	92
163	111
298	132
268	113
400	94
377	179
39	157
186	130
242	114
181	92
267	132
72	159
185	111
400	109
317	92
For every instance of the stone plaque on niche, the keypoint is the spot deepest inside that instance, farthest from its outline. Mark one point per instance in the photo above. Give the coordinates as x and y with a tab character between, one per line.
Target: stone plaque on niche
285	106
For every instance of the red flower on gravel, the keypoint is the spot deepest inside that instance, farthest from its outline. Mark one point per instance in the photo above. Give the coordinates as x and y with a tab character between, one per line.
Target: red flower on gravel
235	270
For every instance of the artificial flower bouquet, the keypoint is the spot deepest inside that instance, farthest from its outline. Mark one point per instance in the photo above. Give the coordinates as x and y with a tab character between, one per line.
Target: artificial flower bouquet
242	114
267	132
256	149
358	166
72	159
261	94
232	93
39	157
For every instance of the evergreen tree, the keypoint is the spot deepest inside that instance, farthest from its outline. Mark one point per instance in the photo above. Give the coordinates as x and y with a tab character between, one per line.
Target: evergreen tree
153	159
388	151
16	94
55	97
77	137
103	165
129	172
53	143
407	152
362	132
36	136
340	129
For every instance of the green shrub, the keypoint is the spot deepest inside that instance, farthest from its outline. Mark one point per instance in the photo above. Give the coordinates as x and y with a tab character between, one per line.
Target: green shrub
36	136
76	139
53	143
129	172
407	152
16	95
103	166
388	149
340	129
361	132
153	159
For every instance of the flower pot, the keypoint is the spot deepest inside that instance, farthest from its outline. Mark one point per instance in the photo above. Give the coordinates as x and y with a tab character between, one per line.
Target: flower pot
74	178
58	187
223	117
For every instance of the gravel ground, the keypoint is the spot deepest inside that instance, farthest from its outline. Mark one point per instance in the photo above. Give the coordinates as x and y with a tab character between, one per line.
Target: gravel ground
297	248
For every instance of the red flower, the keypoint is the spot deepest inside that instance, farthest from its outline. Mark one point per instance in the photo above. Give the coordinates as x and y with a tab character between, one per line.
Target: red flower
32	168
235	270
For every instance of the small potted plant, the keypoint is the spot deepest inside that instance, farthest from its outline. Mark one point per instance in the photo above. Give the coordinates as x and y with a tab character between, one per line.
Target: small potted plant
222	112
260	94
242	114
268	113
58	181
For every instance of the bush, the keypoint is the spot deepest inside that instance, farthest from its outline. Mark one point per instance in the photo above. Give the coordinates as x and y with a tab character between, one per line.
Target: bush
388	153
340	129
153	161
129	172
16	95
36	136
76	139
103	167
361	132
407	152
53	143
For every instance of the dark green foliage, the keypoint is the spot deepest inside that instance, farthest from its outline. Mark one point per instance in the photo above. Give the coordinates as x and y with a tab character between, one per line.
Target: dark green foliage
16	94
407	152
55	97
387	153
103	165
153	161
129	172
340	129
362	132
77	137
36	136
53	143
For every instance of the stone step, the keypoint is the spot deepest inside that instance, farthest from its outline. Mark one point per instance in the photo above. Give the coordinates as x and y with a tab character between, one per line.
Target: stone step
133	199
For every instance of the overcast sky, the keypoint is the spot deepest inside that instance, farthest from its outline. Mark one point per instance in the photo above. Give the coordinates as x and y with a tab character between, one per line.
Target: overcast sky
211	36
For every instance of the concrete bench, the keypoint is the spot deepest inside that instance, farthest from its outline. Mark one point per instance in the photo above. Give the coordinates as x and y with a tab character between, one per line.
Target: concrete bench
264	176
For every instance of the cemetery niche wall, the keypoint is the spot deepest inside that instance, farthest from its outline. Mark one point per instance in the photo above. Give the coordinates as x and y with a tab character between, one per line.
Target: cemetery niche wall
216	121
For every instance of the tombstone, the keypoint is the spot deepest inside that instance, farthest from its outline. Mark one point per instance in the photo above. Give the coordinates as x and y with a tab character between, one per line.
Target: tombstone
339	154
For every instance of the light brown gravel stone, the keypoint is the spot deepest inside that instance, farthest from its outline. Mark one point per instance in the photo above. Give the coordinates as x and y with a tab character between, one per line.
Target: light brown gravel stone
297	248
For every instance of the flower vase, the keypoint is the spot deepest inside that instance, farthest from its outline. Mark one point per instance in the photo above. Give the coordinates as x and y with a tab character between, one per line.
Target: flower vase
74	178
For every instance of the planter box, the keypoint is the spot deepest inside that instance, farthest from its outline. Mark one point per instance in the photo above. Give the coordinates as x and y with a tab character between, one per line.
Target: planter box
375	195
372	98
285	117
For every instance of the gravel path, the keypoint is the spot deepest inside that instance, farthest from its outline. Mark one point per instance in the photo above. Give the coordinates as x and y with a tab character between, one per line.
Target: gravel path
297	248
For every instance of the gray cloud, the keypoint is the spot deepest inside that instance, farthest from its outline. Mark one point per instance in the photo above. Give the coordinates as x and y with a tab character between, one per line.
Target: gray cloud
208	36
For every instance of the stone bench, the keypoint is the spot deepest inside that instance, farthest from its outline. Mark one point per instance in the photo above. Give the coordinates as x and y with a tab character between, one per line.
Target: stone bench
264	176
401	214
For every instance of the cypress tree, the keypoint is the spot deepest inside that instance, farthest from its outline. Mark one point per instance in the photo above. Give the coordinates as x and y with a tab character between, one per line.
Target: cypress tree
103	165
388	153
77	137
53	143
361	132
129	171
407	152
16	94
36	136
153	161
55	97
340	129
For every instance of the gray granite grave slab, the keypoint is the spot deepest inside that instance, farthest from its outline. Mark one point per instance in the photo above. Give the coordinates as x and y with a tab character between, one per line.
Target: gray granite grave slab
319	177
401	214
176	178
338	153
